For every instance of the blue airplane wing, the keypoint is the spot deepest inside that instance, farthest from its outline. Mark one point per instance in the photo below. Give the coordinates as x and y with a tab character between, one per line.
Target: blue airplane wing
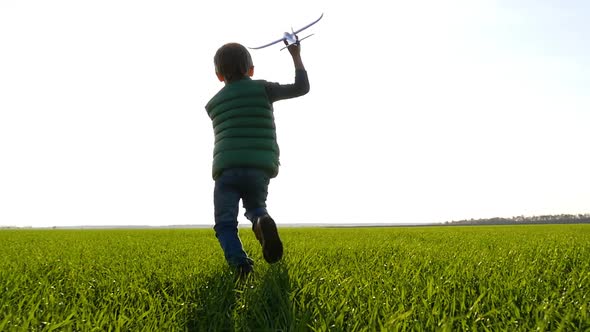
310	24
267	45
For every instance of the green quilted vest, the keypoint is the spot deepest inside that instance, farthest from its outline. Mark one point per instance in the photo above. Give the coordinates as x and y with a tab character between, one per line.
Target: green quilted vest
244	127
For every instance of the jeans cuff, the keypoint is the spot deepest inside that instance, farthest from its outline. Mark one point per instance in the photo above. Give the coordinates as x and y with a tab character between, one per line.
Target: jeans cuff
253	214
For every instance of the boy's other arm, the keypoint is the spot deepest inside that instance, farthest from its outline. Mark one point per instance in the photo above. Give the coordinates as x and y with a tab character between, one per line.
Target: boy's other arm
277	91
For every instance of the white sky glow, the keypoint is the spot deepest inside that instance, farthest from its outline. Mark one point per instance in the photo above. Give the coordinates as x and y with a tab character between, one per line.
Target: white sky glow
421	111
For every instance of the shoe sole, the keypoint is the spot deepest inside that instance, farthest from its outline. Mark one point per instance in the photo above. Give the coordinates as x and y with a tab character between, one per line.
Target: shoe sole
272	248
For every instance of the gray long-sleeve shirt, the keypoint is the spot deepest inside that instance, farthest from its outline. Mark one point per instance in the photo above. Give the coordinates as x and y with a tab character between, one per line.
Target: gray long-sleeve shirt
276	91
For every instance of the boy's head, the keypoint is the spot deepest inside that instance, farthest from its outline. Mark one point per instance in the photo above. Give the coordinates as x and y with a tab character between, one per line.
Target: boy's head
233	62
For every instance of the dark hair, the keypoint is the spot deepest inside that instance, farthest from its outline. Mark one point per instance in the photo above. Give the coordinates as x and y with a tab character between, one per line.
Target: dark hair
232	61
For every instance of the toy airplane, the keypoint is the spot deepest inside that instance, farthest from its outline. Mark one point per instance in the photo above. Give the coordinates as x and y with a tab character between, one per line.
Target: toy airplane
290	38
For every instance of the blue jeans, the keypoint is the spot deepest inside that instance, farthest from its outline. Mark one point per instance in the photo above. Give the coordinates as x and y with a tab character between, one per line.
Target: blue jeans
251	186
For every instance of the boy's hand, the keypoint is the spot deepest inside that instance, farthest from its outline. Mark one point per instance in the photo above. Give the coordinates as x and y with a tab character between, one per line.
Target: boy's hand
295	50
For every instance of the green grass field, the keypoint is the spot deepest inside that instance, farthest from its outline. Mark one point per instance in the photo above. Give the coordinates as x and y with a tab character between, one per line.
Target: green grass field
529	278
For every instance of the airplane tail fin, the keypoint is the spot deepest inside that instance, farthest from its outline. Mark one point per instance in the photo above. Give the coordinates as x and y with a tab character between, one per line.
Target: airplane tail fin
306	37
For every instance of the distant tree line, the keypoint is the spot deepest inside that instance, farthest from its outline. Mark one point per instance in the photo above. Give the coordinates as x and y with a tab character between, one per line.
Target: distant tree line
522	220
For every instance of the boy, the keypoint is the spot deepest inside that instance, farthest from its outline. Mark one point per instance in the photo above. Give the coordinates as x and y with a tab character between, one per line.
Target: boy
246	153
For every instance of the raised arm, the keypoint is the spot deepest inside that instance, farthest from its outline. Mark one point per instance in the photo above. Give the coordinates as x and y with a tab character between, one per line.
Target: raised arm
277	91
295	50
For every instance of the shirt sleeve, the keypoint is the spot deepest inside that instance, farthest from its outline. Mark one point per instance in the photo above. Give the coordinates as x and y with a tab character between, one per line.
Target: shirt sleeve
276	91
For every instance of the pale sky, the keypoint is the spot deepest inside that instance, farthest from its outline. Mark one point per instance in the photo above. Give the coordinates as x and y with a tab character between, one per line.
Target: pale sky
419	111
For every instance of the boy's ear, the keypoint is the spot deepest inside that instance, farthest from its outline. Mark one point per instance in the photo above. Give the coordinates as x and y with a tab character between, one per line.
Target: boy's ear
251	71
220	77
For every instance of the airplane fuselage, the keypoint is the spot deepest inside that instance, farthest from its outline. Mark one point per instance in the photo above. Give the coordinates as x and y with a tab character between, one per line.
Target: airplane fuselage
290	38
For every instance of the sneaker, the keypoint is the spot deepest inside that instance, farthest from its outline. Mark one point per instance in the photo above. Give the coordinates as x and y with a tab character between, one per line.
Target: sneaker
244	270
265	230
